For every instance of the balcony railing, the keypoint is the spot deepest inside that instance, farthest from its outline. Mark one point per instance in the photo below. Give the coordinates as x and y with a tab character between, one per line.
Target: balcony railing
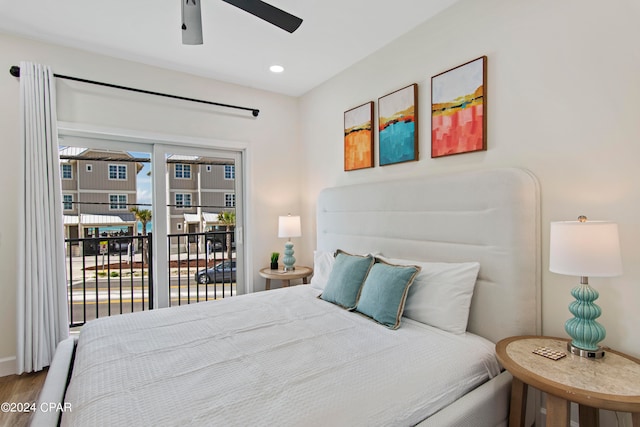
107	276
114	275
201	267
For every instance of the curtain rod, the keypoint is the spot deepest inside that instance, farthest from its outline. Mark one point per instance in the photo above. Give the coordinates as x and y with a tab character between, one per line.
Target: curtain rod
15	72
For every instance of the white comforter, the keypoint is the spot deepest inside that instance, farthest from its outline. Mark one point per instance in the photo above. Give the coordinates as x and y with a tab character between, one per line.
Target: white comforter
281	357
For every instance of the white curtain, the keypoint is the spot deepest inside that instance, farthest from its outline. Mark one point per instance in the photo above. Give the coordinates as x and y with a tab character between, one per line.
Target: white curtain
42	292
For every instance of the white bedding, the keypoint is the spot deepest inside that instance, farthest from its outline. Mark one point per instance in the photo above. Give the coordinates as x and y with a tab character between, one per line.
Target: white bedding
281	357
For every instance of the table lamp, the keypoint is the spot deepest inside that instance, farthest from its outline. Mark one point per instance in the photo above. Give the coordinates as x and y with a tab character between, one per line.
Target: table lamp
585	248
289	226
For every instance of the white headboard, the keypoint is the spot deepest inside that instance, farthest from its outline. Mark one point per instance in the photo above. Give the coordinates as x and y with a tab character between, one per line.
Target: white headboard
489	216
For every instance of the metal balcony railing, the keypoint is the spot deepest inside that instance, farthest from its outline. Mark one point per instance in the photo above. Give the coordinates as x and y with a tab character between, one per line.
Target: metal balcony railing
114	274
107	276
202	267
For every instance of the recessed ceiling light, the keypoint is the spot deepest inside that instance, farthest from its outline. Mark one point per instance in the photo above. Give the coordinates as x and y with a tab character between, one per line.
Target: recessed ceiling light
276	68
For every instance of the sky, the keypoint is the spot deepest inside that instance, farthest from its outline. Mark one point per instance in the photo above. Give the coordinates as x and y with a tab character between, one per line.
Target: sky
144	180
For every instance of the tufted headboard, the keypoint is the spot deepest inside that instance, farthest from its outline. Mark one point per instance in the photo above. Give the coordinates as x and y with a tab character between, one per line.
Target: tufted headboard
489	216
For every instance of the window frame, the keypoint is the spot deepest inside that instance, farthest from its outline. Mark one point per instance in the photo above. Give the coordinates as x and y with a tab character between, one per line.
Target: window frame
64	166
66	203
229	172
227	203
119	203
185	169
119	168
161	146
181	204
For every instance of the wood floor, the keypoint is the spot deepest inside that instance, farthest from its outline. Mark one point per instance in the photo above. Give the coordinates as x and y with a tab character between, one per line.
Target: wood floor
19	389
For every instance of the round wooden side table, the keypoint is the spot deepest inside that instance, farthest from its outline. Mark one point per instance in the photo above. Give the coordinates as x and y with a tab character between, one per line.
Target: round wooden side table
300	272
612	382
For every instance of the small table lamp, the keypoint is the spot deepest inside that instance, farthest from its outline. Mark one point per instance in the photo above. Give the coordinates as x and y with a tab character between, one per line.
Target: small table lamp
585	248
289	226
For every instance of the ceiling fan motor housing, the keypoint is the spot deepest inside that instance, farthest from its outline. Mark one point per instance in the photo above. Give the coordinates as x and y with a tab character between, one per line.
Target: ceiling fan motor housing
191	22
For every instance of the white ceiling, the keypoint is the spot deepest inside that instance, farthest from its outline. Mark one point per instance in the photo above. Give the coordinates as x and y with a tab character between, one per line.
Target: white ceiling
238	47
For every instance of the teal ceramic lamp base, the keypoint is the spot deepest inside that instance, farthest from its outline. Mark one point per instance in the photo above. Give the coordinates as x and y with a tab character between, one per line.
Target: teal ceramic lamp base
288	260
585	332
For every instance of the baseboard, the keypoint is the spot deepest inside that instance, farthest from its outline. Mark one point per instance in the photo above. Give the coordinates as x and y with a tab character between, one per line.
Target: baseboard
7	366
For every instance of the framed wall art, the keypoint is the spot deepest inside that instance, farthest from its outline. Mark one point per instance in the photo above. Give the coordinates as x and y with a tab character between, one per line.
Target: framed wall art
398	126
458	109
358	137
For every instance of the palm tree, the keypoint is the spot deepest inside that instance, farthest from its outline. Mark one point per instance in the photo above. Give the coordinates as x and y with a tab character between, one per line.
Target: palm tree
144	216
228	218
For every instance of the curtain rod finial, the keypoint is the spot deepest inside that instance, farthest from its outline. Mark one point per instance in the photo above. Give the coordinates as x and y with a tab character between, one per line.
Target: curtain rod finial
14	71
255	113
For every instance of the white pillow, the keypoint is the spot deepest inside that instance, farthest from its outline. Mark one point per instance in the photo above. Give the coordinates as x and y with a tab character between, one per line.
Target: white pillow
441	294
322	266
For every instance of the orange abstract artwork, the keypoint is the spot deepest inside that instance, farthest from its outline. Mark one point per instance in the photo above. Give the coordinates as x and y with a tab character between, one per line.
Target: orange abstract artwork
458	101
358	137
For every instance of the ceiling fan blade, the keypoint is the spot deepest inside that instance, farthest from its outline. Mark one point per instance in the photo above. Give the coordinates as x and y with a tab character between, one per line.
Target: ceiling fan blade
271	14
191	22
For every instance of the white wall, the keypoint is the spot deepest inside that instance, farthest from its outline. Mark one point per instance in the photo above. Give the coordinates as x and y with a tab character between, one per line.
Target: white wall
563	97
270	135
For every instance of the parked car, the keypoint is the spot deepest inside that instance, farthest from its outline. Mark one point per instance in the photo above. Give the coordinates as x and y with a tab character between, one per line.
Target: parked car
223	272
217	242
119	245
92	246
214	245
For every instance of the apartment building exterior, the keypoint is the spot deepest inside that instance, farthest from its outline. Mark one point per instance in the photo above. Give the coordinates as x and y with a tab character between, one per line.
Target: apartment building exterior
98	188
199	189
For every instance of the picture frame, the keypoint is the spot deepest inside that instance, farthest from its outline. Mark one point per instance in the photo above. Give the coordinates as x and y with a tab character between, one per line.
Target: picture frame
398	126
358	137
459	109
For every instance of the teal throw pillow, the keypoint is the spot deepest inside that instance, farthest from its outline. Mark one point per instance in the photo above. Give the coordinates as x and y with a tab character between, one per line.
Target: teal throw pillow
346	279
385	291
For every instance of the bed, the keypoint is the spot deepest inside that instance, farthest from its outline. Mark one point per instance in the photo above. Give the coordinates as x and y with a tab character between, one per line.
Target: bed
293	357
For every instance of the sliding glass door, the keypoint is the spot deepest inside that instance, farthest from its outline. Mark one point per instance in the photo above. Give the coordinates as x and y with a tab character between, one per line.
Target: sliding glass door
200	191
107	212
149	224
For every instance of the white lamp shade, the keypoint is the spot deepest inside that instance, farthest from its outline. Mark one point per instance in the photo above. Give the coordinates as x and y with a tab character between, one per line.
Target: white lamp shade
289	226
590	249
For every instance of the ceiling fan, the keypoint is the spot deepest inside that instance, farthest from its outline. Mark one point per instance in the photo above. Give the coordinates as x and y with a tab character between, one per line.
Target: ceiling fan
192	19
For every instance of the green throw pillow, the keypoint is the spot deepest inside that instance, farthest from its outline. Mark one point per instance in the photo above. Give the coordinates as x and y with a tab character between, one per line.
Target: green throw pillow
385	291
346	278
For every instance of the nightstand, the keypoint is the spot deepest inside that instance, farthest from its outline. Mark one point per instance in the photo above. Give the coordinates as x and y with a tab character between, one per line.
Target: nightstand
286	276
612	382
